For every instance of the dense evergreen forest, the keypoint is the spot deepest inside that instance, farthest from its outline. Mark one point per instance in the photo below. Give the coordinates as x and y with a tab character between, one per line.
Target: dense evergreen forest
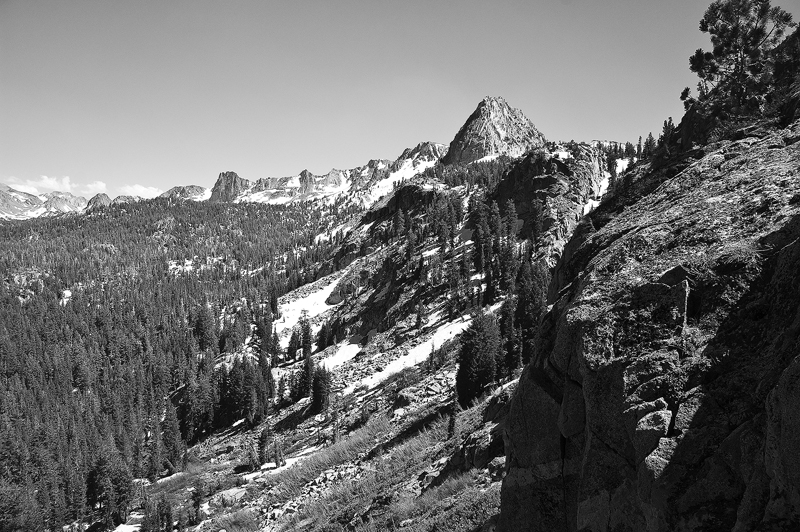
109	343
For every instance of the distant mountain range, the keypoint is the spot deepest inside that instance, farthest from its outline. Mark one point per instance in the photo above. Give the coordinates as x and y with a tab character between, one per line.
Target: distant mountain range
493	129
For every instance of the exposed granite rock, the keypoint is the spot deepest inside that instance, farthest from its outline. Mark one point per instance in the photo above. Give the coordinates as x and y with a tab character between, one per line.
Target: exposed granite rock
99	200
556	191
663	392
421	153
494	128
228	187
189	192
126	199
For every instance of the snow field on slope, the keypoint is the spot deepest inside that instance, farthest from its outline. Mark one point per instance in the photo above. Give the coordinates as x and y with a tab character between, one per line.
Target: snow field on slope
416	354
406	171
593	203
622	164
345	351
314	303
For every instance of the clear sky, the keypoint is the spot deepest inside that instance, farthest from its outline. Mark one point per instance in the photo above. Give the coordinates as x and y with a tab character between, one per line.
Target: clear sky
139	96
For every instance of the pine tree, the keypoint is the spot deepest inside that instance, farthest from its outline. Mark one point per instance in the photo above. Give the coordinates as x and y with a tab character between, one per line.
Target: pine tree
399	227
172	442
537	222
206	329
477	358
743	34
649	146
294	345
511	349
197	503
282	389
496	227
321	390
532	302
154	465
305	334
264	441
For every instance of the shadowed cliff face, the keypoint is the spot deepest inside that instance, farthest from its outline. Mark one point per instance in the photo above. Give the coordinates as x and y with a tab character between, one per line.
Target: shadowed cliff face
556	191
664	389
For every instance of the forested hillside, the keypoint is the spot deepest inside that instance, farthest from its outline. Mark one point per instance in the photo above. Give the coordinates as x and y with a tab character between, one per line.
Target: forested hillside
111	320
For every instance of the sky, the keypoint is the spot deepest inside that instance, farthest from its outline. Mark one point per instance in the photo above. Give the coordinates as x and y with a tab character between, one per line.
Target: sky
137	97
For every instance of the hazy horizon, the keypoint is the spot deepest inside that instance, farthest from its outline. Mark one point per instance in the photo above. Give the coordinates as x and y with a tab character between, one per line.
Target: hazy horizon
138	97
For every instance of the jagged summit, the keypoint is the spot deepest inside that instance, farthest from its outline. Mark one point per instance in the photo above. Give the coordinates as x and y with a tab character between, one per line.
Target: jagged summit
422	152
363	184
495	128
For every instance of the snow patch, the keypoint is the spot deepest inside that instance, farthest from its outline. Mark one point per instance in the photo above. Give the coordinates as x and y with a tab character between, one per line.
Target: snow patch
416	354
313	303
131	528
345	352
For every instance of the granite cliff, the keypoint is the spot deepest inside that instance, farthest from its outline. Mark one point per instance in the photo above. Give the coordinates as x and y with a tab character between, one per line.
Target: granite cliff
662	394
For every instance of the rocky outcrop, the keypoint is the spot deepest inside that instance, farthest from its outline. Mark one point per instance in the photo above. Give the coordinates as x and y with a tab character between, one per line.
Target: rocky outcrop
421	153
228	187
99	200
495	128
119	200
190	192
550	195
663	390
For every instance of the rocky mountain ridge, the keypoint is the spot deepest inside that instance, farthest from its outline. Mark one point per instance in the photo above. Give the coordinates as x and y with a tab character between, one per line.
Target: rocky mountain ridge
367	182
18	205
493	129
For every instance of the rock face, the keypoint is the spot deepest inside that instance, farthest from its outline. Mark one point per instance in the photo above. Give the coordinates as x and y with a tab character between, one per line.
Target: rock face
99	200
189	192
550	195
228	187
495	128
663	392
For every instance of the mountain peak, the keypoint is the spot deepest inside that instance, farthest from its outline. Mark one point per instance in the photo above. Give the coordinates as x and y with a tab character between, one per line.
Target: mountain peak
99	200
494	128
228	187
